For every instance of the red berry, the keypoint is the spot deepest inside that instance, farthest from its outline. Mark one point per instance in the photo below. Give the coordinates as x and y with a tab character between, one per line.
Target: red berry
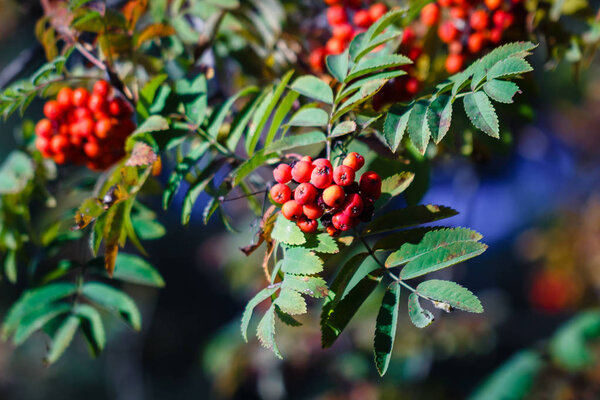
52	110
97	103
430	14
80	97
312	211
43	145
412	86
59	143
354	161
322	162
496	35
408	35
334	196
81	112
377	11
335	46
454	63
445	3
354	205
60	158
332	231
333	2
502	19
305	193
447	32
116	107
336	15
301	172
362	19
414	53
43	128
280	193
370	184
86	127
291	210
321	177
65	98
458	12
343	31
91	149
479	20
343	175
102	88
475	42
455	47
307	225
282	173
493	4
307	159
316	59
343	222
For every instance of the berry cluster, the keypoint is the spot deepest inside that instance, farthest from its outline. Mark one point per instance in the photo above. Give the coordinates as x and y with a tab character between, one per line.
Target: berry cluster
324	193
346	19
85	128
467	26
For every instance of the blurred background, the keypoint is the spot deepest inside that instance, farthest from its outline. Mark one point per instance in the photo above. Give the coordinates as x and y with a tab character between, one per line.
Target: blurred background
535	198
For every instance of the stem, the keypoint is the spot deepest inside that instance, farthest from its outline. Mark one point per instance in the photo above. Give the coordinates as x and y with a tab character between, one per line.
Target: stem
223	200
91	58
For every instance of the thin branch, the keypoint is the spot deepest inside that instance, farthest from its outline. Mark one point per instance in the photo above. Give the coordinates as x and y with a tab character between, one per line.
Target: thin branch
223	200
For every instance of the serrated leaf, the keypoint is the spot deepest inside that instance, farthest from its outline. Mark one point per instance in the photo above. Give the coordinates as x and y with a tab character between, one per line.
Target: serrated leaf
256	300
393	185
481	112
282	111
240	123
286	318
285	231
300	261
146	95
409	216
310	117
337	65
92	327
342	312
376	63
394	128
367	46
291	302
365	93
290	142
313	87
439	117
515	49
419	316
508	67
385	327
501	91
439	249
357	84
195	189
321	243
36	319
313	286
194	96
115	300
266	331
451	293
417	126
131	268
62	338
343	128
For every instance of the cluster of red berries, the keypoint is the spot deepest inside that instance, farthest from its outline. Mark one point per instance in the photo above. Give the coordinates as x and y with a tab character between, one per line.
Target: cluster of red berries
85	128
467	26
347	19
324	193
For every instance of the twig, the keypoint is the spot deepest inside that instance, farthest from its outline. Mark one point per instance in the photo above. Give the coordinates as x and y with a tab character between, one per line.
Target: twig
223	200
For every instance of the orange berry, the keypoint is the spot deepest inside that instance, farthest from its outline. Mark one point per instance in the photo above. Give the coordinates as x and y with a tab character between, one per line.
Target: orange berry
301	171
336	15
312	211
280	193
102	88
430	14
103	128
44	128
454	63
52	110
80	97
479	20
335	46
305	193
282	173
65	98
307	225
377	11
354	161
362	19
291	210
334	196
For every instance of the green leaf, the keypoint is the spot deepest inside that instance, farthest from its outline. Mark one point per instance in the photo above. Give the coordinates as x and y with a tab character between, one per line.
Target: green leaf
451	293
366	92
508	67
310	117
147	94
148	229
377	63
154	123
114	299
439	117
36	319
515	49
131	268
408	216
16	171
240	124
290	142
247	167
285	231
282	111
501	91
62	338
367	46
337	65
417	126
300	261
92	328
313	286
513	380
342	312
256	300
419	316
569	345
356	85
181	170
286	318
392	186
394	128
266	331
343	128
33	299
10	266
195	189
313	87
395	240
193	94
481	112
221	113
385	327
291	302
438	249
321	243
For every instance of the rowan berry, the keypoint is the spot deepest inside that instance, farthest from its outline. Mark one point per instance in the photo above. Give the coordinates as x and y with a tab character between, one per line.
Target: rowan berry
44	128
321	176
430	14
52	110
343	175
291	210
282	173
336	15
370	184
312	211
334	196
307	225
301	171
362	19
305	193
280	193
354	161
